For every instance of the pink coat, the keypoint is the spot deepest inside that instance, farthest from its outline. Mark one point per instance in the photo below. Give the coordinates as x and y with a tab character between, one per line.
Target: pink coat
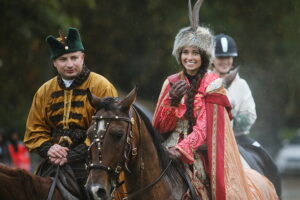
165	116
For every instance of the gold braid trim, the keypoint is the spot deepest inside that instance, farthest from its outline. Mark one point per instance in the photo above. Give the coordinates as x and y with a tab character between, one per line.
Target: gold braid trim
214	148
67	107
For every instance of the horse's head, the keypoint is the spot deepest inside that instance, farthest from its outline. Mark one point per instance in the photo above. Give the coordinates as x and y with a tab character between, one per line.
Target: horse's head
110	134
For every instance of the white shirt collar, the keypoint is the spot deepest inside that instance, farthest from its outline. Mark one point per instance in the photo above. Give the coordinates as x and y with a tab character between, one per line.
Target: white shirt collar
67	82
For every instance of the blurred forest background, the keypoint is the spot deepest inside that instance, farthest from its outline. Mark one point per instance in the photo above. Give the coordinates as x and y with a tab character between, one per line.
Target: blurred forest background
130	42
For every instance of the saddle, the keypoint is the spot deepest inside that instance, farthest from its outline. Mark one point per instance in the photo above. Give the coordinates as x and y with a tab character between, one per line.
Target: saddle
198	185
197	189
65	179
259	160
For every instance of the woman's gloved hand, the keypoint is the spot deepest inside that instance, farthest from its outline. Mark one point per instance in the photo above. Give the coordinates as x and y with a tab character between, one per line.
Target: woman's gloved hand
177	91
174	153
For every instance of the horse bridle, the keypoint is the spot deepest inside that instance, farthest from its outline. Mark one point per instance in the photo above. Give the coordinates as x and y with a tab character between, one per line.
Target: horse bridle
98	141
115	172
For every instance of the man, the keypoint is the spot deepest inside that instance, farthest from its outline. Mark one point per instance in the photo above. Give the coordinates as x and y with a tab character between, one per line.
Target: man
60	111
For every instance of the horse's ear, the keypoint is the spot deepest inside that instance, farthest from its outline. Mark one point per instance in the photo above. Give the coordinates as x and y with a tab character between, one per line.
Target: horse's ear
128	100
228	78
95	101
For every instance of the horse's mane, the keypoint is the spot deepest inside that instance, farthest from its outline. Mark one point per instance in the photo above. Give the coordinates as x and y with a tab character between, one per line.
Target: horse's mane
25	178
176	172
161	151
13	171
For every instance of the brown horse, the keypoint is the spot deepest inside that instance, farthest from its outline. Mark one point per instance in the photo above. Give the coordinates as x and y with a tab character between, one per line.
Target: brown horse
122	138
18	184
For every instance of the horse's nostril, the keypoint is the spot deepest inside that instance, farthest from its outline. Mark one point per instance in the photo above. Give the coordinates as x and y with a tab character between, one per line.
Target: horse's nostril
97	192
101	193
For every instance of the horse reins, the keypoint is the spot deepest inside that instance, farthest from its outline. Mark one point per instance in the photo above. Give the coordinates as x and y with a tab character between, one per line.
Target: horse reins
149	185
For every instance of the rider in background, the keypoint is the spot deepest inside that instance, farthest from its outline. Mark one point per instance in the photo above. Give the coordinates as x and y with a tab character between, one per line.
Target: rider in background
60	112
239	93
18	153
4	153
243	106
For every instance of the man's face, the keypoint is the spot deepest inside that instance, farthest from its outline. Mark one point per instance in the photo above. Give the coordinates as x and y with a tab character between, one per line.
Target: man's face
69	65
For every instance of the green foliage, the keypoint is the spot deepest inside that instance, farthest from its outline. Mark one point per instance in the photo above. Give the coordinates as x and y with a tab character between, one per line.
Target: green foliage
130	42
287	133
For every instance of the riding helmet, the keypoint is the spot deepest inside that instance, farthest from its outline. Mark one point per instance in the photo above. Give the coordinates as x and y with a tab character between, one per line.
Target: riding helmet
225	46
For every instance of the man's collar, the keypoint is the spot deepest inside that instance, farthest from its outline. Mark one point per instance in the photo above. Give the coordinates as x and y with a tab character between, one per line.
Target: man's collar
77	81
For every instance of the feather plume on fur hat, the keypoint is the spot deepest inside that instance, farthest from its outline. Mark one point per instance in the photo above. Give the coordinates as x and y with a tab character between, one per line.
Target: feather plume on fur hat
194	35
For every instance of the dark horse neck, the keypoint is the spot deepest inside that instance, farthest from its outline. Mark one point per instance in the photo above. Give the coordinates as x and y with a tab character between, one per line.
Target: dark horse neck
18	184
147	168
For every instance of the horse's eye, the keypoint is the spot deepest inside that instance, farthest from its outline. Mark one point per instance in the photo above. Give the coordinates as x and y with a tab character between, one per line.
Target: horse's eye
118	134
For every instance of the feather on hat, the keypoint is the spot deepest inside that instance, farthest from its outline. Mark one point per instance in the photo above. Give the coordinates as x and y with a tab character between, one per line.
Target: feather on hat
194	35
63	45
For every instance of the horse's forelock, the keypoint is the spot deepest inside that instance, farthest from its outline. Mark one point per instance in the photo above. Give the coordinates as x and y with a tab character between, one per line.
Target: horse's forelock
109	103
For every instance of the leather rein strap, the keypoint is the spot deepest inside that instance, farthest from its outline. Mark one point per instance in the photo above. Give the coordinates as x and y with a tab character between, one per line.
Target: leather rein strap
52	188
131	195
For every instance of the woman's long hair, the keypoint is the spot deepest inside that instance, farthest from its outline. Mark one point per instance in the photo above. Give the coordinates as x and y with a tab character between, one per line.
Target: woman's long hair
193	90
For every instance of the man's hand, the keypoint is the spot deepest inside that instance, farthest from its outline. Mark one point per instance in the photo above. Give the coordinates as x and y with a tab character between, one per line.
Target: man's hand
177	91
58	161
58	154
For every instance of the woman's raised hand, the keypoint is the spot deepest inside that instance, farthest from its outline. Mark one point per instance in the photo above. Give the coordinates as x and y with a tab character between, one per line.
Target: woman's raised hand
177	91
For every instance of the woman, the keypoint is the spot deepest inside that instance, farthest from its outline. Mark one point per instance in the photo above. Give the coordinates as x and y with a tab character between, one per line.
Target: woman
243	110
193	107
239	93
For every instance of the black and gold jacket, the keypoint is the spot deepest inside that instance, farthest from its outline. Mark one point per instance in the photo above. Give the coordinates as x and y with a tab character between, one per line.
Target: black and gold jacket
59	111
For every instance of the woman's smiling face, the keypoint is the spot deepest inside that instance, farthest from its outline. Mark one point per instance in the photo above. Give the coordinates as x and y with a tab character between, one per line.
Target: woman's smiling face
191	60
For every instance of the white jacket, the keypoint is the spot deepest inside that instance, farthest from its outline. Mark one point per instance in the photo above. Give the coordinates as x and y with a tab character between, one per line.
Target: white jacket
244	113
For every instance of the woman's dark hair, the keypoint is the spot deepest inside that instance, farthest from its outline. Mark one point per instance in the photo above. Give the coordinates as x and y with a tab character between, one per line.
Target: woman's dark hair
14	138
189	114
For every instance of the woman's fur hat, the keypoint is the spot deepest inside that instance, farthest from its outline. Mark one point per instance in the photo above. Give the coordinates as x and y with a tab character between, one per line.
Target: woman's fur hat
194	35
